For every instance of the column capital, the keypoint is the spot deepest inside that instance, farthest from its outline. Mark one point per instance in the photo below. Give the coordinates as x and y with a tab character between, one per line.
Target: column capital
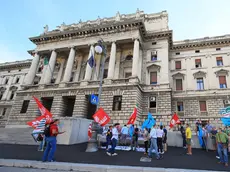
72	47
136	39
90	44
52	49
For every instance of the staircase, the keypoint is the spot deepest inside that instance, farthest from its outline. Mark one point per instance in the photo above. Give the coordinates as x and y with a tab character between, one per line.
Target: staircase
17	136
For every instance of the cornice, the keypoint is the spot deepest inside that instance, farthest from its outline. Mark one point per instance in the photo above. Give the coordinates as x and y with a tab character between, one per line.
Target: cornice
17	64
202	43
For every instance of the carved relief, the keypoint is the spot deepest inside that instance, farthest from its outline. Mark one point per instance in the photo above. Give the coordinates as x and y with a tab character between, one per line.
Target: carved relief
118	92
178	75
222	72
199	74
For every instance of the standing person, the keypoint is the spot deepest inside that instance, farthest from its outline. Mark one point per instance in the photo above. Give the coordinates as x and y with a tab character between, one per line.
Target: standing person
114	139
124	134
182	130
135	138
213	137
108	137
51	138
204	138
153	137
146	140
222	139
188	134
165	139
160	133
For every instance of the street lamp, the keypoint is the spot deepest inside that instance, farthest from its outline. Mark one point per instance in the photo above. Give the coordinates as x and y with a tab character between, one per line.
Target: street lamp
100	48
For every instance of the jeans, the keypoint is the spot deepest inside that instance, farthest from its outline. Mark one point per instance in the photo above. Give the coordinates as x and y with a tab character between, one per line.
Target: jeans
154	146
159	144
221	148
42	143
146	146
184	140
108	142
50	148
113	144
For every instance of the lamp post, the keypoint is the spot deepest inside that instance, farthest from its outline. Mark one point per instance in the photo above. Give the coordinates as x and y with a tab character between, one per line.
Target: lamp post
100	48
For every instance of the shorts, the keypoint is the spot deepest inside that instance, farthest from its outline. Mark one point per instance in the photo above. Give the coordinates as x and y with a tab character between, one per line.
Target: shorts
188	141
213	141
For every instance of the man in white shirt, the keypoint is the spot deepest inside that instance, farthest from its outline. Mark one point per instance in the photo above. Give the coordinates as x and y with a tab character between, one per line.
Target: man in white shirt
153	138
114	139
124	134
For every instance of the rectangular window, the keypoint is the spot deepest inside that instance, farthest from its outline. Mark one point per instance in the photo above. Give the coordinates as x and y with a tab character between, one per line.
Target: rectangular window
117	101
153	55
25	106
178	53
105	75
152	103
218	49
7	79
197	51
198	63
219	61
17	80
200	83
128	74
180	106
4	112
179	84
1	94
203	107
12	95
178	64
222	82
153	78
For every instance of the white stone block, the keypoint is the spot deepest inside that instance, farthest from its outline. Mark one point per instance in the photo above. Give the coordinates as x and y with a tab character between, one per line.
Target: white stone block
154	169
23	163
88	167
60	166
7	162
124	169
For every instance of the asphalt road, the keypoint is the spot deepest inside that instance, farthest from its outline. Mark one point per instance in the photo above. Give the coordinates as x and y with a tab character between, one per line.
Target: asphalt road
174	158
13	169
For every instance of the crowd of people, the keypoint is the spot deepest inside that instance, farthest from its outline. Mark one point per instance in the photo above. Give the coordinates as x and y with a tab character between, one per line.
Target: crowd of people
156	139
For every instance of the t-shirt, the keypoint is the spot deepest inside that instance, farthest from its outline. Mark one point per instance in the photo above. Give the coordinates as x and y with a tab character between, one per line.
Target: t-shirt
115	133
153	133
53	127
160	133
125	130
182	130
188	133
213	132
109	134
136	132
221	137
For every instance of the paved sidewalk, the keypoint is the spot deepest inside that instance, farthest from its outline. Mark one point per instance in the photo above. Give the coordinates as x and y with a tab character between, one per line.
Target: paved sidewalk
174	158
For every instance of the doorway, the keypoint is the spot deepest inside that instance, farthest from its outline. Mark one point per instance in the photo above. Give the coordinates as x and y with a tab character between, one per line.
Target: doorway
47	102
91	108
68	103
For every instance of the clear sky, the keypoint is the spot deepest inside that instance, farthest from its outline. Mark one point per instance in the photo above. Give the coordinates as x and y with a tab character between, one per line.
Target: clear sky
21	19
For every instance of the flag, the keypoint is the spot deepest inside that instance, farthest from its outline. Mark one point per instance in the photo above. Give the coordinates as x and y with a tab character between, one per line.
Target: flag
131	130
46	61
148	123
101	117
226	121
91	61
174	120
200	135
90	131
133	117
35	123
44	112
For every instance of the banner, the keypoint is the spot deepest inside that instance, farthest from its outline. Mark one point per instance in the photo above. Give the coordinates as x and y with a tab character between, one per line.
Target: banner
90	131
133	117
226	121
101	117
174	120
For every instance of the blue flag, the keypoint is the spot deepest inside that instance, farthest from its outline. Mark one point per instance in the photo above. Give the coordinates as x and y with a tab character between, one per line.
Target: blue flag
94	99
91	61
226	121
131	131
148	123
200	135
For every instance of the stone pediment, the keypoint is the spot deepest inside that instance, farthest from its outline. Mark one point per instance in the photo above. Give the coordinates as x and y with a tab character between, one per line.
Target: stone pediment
153	65
199	74
222	72
13	88
2	89
178	75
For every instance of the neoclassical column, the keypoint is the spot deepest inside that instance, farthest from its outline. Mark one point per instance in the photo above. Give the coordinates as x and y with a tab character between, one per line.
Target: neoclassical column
112	61
117	65
136	53
50	67
97	68
60	72
78	71
33	69
88	72
69	65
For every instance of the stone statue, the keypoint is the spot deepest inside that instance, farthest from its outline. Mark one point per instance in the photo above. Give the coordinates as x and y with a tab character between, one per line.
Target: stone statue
138	14
79	24
98	20
46	29
63	26
118	16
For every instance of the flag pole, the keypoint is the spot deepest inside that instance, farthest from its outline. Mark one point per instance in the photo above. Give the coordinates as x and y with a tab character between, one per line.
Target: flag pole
92	143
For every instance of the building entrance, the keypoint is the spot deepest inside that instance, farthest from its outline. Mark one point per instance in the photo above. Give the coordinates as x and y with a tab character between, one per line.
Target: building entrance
47	102
68	103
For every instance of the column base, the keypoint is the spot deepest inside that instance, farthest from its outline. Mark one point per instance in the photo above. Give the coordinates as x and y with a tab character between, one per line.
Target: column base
62	85
84	83
134	79
41	86
108	81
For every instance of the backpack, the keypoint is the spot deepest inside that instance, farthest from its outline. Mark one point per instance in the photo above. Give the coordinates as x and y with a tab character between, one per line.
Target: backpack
47	131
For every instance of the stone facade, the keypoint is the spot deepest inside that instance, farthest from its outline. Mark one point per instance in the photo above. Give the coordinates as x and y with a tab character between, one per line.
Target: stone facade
12	75
143	67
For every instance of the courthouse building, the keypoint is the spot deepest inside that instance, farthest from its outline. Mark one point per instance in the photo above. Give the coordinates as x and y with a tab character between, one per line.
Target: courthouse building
143	66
